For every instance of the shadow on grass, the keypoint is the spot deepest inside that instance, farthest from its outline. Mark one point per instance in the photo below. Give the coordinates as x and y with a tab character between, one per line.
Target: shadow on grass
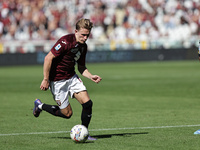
120	134
103	136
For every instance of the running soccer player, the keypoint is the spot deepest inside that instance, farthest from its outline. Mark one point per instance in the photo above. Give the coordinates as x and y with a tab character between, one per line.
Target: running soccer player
60	76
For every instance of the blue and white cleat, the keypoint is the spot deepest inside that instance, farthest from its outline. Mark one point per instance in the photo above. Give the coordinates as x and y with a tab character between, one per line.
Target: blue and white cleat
91	138
36	110
197	132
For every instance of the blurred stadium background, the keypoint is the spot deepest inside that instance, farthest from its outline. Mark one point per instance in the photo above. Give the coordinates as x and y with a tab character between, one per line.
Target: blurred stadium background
165	29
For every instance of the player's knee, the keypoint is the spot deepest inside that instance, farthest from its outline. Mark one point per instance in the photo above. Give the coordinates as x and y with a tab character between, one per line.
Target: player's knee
67	114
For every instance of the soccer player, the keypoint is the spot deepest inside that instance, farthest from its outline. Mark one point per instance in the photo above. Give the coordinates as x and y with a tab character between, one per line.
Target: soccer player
60	76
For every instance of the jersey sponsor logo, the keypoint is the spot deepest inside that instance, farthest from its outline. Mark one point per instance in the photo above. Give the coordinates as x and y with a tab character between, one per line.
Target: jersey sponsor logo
58	47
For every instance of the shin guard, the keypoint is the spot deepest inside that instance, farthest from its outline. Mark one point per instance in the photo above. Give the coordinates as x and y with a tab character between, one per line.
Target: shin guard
86	113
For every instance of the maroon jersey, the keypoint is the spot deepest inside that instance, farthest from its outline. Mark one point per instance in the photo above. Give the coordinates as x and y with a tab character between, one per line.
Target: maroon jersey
67	52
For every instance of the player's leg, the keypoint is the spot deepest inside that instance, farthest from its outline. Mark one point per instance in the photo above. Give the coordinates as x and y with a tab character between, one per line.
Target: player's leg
86	102
59	90
56	111
65	112
79	91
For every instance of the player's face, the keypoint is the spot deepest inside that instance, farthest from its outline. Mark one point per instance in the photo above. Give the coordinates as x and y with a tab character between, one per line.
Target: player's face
82	35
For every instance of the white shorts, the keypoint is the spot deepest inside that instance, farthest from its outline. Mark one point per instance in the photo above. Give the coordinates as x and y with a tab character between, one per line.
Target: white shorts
64	88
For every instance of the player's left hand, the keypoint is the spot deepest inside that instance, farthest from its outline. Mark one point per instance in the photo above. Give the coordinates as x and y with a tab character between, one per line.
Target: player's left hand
96	78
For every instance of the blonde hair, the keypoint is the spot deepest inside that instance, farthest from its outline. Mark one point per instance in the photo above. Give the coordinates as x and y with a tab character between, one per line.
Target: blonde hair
84	23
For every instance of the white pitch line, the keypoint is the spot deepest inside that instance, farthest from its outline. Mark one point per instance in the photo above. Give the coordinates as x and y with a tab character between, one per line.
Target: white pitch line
109	129
158	127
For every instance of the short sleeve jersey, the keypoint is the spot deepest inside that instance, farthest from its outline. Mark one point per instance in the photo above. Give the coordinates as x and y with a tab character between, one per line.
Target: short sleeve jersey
67	52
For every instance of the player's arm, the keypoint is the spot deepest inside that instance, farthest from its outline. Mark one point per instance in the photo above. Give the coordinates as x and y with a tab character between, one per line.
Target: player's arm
85	72
46	69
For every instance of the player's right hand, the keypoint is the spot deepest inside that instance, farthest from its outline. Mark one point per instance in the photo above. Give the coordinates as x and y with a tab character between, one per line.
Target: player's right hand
44	85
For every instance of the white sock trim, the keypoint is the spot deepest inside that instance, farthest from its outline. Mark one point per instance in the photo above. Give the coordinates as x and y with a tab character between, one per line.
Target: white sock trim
40	106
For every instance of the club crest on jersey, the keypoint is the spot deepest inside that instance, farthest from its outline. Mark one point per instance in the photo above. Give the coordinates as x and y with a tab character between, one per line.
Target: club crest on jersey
58	47
74	50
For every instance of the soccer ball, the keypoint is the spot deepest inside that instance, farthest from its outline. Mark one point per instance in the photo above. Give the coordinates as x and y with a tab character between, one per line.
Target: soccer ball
79	133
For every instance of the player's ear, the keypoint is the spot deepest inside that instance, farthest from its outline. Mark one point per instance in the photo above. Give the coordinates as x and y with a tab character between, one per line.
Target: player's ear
76	30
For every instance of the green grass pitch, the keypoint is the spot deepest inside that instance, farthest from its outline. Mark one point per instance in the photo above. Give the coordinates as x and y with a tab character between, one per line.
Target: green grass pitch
138	105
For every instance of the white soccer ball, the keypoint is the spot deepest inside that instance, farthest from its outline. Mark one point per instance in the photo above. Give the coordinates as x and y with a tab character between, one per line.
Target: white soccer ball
79	133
